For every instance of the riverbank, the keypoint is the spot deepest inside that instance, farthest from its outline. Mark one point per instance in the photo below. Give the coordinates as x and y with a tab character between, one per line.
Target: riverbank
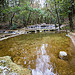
72	36
10	36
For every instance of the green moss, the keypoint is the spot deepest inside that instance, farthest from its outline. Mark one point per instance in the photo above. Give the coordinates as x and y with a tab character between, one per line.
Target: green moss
14	68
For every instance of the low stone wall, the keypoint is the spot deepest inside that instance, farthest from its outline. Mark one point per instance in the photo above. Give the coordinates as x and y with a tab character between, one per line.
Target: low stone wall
10	36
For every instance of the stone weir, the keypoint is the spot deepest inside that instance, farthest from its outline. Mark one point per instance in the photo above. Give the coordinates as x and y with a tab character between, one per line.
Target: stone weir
43	27
4	34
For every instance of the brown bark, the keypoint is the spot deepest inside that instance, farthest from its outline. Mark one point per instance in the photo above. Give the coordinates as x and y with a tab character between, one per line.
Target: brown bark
12	19
70	16
57	15
70	21
24	22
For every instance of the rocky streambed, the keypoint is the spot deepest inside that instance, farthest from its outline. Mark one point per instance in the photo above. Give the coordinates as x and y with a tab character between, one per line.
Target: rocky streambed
40	53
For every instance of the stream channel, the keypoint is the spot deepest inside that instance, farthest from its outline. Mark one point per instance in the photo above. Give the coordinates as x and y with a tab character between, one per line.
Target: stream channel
40	53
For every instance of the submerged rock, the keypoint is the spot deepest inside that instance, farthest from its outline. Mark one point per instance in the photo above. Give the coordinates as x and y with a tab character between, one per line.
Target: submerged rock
7	66
62	55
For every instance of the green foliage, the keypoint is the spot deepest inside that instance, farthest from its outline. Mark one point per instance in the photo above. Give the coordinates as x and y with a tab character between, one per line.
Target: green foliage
28	12
16	9
14	27
0	26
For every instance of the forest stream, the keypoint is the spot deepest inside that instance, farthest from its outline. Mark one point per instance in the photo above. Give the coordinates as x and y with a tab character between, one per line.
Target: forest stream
40	53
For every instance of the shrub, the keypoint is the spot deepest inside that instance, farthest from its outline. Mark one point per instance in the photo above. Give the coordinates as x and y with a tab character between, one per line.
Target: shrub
0	26
14	27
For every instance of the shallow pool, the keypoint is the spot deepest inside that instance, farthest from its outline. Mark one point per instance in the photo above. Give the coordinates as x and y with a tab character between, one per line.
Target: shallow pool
39	52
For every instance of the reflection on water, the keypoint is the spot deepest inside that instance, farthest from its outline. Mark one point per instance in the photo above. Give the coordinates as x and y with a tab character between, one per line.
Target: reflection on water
43	66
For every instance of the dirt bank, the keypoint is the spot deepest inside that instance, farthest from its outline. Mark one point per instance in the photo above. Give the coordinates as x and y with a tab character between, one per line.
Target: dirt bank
72	36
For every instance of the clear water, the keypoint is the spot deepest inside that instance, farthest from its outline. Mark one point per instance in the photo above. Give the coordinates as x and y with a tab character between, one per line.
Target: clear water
43	66
39	52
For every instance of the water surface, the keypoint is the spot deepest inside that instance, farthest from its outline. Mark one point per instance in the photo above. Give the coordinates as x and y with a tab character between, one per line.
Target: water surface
39	52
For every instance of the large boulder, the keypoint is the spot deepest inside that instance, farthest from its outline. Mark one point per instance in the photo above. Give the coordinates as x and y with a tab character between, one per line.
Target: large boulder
8	67
62	55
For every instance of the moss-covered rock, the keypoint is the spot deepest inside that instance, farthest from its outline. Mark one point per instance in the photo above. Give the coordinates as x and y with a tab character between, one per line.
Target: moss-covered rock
7	66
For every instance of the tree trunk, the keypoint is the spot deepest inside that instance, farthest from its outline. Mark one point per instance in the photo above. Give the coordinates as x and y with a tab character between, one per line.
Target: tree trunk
11	19
70	16
70	21
57	15
24	22
28	18
41	21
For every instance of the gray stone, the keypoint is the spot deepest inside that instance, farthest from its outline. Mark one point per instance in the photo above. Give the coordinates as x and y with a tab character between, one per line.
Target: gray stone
62	54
